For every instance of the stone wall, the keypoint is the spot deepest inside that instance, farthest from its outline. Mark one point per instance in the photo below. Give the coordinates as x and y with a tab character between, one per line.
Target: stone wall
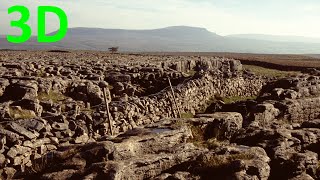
57	124
190	97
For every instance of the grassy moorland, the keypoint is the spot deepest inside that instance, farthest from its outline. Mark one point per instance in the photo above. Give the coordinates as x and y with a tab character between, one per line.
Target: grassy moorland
269	72
285	62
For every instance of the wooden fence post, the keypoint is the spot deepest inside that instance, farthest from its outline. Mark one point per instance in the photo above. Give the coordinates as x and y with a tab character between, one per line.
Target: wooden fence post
174	98
107	107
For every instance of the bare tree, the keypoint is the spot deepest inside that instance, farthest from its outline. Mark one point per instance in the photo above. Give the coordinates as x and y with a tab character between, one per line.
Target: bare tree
113	49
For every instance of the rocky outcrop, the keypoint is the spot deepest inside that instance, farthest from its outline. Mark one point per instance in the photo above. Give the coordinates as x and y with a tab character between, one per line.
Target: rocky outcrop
158	151
54	122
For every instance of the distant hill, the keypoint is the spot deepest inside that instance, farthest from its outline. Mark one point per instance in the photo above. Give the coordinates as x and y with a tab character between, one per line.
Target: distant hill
170	39
276	38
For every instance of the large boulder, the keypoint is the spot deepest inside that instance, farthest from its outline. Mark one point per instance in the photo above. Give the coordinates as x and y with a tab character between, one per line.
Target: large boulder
227	162
222	125
20	90
87	92
137	154
265	113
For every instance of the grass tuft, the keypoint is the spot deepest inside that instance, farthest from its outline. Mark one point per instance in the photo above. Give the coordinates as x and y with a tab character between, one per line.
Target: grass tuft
218	161
232	99
18	113
54	96
191	73
187	115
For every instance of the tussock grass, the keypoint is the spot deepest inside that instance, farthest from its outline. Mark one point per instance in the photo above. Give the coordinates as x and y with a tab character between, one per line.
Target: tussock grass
187	115
269	72
18	113
198	134
219	161
54	96
232	99
191	73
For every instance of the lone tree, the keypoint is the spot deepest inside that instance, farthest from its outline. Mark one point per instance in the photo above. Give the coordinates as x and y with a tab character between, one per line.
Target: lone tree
113	49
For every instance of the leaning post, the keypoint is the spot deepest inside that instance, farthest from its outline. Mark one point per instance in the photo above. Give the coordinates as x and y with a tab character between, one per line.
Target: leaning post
174	98
106	100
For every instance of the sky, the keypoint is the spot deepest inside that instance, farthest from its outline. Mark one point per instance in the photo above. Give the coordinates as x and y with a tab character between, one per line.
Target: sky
224	17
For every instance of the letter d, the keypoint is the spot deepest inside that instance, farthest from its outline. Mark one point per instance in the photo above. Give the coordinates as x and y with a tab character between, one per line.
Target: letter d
42	10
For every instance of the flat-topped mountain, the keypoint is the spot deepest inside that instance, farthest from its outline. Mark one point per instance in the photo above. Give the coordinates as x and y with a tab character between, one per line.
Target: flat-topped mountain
169	39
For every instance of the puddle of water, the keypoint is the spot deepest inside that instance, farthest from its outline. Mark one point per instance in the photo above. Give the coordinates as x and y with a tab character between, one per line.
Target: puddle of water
243	147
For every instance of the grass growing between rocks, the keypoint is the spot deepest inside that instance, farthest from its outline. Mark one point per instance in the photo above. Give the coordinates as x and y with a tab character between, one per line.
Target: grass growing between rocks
54	96
199	138
18	113
110	87
220	161
191	73
41	73
232	99
187	115
269	72
88	110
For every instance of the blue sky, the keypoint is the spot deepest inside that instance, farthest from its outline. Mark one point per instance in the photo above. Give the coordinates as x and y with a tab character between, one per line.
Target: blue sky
279	17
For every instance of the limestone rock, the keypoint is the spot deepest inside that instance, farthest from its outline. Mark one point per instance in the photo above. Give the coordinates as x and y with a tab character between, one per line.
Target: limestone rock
223	125
21	130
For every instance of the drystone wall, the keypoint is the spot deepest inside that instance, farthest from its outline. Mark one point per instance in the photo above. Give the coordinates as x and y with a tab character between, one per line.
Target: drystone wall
54	124
189	97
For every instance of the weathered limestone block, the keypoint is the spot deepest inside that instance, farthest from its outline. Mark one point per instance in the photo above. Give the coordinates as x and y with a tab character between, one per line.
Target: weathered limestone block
266	113
226	162
223	125
87	92
22	131
17	150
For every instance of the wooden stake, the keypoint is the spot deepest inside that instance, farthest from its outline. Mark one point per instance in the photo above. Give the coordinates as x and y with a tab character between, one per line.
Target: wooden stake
174	98
107	108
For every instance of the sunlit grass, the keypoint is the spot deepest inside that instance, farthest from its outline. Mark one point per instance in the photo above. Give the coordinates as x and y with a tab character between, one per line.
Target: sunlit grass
232	99
54	96
18	113
269	72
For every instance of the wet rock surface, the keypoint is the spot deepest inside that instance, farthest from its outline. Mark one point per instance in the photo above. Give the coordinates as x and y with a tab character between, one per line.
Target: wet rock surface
55	112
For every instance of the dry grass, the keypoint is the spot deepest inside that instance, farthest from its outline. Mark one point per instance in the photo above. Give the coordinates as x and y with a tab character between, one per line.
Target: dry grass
110	87
267	60
269	72
18	113
218	161
191	73
199	138
232	99
213	143
89	110
54	96
197	132
40	74
187	115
